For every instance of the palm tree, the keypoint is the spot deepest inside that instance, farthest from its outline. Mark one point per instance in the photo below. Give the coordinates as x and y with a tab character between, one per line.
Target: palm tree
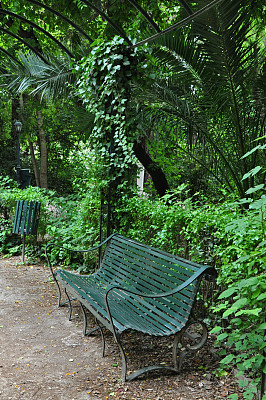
212	78
40	78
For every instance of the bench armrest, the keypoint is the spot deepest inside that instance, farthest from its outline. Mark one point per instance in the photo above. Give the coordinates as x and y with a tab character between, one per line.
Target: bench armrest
50	245
210	271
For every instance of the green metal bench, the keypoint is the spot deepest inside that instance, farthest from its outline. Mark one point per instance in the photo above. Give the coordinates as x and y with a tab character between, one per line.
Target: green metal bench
140	288
26	220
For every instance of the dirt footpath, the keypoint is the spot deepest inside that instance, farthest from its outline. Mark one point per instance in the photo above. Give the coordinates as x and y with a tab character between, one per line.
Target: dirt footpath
44	356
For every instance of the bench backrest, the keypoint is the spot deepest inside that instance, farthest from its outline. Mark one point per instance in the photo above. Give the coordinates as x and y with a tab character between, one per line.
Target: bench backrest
26	217
141	267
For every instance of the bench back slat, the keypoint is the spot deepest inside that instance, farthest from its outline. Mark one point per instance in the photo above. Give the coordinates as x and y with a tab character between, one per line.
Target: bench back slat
134	245
156	263
27	227
35	218
152	266
149	268
132	265
137	279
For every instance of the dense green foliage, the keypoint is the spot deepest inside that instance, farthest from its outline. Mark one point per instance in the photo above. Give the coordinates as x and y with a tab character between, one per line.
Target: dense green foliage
190	104
210	93
219	234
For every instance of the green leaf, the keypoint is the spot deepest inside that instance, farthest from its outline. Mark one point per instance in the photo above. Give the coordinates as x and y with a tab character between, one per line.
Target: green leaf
255	312
262	326
235	307
252	151
228	359
233	397
227	293
252	172
255	189
245	283
222	336
262	296
216	329
243	383
258	204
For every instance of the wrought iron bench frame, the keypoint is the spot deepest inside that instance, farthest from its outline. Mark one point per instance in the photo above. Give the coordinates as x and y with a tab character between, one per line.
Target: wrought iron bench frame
125	293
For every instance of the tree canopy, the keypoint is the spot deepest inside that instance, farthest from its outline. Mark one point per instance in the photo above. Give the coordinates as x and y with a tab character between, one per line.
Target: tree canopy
104	89
202	84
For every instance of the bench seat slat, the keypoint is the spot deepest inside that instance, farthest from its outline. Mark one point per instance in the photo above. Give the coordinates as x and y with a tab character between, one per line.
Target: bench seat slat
95	296
180	298
135	316
151	318
158	309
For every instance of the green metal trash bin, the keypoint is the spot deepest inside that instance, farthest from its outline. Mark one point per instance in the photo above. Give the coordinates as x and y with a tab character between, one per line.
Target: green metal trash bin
26	220
25	178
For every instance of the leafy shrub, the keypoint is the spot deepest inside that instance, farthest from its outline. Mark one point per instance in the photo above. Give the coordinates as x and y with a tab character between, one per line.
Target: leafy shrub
244	334
224	235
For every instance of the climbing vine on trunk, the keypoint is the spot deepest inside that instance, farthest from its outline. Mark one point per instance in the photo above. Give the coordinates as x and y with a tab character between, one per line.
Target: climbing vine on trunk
104	84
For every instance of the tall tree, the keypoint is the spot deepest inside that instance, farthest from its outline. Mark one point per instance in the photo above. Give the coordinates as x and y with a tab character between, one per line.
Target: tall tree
213	82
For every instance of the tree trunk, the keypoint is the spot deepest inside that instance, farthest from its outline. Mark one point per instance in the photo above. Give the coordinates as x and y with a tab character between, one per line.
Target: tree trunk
158	177
22	100
43	152
34	164
15	117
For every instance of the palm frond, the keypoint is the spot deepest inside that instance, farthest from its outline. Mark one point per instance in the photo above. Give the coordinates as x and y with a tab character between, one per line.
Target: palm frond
216	84
51	79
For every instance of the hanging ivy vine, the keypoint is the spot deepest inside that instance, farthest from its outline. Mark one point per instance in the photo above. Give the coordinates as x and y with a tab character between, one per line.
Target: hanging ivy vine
105	79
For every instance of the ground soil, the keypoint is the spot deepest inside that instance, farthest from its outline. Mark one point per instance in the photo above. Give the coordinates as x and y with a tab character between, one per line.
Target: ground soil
44	356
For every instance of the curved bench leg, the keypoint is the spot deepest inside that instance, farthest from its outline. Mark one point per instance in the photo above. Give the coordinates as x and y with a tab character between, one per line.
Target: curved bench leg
84	318
59	304
99	327
70	305
148	369
102	335
139	372
123	357
59	294
191	339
